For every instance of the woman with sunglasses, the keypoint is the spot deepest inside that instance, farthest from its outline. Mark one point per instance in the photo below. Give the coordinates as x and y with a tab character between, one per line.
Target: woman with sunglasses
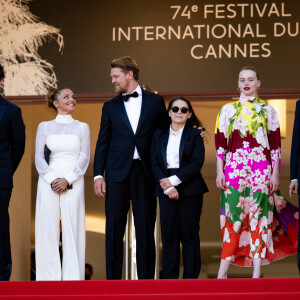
177	157
258	225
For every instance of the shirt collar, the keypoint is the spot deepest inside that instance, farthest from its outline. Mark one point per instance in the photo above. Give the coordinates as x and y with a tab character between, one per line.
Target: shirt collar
173	132
64	119
244	99
138	90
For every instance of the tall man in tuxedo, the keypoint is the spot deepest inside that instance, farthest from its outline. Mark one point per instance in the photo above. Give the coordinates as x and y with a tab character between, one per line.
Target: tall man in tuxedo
295	166
12	145
123	152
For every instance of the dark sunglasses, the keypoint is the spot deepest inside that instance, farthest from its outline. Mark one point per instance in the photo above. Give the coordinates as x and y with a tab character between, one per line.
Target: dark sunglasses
175	109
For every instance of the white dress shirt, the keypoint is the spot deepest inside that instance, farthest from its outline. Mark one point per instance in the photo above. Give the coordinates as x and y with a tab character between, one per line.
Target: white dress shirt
173	156
133	109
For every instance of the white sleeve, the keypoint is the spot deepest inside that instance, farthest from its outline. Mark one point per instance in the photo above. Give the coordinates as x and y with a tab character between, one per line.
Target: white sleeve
82	163
175	180
40	163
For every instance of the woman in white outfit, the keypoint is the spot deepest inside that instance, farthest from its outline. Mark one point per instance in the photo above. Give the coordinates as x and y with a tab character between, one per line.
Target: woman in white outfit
60	192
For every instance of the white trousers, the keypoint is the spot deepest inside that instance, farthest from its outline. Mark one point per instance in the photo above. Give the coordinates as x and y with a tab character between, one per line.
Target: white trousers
50	208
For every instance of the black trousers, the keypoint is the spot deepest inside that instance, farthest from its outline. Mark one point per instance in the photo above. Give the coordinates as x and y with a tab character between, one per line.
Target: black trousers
5	253
139	188
180	222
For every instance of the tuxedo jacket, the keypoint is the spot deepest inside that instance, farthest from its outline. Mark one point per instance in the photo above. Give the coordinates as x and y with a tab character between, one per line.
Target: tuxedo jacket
12	141
117	141
191	158
295	151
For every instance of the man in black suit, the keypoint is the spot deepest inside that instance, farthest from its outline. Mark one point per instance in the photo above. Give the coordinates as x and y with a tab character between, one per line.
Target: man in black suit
123	152
295	166
12	145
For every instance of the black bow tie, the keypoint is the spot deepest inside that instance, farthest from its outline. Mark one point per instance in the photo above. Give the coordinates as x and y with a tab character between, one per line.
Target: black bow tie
127	96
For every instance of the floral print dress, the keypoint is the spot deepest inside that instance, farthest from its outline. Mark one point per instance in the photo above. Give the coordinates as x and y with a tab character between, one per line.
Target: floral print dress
254	224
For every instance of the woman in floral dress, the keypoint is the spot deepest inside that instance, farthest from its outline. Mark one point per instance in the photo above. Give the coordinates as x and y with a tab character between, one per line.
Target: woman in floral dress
258	225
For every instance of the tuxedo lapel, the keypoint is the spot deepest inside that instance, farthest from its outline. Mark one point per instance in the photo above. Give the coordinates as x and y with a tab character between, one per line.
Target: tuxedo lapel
2	108
163	146
185	135
146	102
122	112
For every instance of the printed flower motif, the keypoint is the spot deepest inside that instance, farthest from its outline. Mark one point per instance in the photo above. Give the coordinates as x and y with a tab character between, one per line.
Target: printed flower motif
262	137
233	165
226	237
242	202
234	174
269	242
242	217
257	173
241	125
221	150
280	203
272	118
253	223
227	212
244	98
227	112
246	110
237	226
246	144
257	107
244	239
270	217
275	156
222	221
227	191
263	224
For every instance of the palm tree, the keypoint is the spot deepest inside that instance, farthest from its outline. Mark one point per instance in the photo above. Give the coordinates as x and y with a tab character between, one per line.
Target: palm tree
21	34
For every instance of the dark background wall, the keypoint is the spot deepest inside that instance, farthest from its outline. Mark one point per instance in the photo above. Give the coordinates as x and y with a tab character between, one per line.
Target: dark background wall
170	65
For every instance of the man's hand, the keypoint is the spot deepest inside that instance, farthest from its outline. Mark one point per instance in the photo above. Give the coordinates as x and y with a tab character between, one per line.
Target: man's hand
293	188
99	187
173	194
59	185
202	131
165	183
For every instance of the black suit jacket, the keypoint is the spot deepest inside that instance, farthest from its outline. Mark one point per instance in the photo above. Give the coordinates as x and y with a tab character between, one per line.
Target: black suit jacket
12	141
116	140
295	151
191	158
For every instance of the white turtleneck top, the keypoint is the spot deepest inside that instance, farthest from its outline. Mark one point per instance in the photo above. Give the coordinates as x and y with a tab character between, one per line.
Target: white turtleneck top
69	143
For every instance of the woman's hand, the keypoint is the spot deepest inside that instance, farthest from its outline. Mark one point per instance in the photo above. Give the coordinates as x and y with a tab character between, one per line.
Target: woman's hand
220	180
173	194
59	185
274	182
165	183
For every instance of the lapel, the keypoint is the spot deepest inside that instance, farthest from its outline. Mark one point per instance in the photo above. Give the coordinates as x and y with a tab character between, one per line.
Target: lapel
146	101
2	107
122	112
164	138
185	135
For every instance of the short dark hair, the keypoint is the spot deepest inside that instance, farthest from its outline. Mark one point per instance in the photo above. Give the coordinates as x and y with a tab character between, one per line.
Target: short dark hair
2	75
193	120
126	63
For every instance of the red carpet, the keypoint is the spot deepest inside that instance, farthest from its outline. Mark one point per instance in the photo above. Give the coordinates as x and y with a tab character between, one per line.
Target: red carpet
233	289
